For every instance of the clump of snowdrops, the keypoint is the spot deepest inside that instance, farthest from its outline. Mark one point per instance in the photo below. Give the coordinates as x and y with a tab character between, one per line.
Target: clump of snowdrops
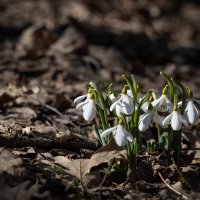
135	113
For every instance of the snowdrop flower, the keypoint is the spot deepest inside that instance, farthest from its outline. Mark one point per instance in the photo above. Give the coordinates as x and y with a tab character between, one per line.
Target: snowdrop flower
175	119
129	93
112	97
89	111
118	107
163	103
123	105
88	106
147	118
191	112
81	104
121	135
145	105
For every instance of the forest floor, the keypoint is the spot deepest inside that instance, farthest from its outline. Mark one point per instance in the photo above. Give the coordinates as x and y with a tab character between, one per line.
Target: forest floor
48	51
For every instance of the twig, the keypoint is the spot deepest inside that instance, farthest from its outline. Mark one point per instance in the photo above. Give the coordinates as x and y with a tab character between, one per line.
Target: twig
184	180
45	143
170	187
191	148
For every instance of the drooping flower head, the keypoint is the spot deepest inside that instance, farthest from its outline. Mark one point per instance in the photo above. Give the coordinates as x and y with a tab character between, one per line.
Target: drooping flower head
191	112
88	106
123	105
149	117
163	103
175	119
121	135
80	102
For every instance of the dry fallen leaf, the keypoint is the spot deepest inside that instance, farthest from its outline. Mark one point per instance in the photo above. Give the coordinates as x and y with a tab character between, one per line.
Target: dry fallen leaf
80	167
9	162
23	112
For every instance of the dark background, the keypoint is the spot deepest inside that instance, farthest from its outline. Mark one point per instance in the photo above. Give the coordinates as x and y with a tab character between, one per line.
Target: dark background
50	48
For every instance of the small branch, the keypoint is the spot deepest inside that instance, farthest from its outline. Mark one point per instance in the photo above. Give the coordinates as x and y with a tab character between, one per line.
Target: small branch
170	187
191	148
45	143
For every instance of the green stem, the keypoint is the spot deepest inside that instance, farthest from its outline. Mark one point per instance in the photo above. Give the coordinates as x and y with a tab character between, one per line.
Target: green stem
130	85
184	96
177	134
103	102
167	78
177	146
136	119
172	91
102	141
102	118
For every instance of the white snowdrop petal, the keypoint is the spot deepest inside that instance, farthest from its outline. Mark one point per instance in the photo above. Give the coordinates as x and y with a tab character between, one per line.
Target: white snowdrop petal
145	106
80	98
107	131
141	116
127	105
183	120
158	119
179	103
81	105
112	97
118	110
129	92
129	136
163	106
89	111
145	122
120	137
167	120
127	109
112	107
192	114
176	122
155	102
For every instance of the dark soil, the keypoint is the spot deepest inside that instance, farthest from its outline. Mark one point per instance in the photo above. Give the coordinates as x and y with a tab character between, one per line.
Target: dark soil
48	51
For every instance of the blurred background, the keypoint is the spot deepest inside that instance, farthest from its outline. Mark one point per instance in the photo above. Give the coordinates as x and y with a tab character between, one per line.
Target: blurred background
76	39
50	48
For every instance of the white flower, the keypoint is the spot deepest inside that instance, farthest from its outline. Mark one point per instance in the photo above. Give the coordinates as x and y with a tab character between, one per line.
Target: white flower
191	112
121	135
81	105
123	105
163	103
176	120
88	106
145	105
129	93
89	110
112	97
147	118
